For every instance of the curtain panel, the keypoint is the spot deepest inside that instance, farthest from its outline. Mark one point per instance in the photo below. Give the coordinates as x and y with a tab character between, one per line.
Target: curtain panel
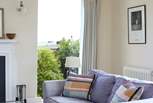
89	35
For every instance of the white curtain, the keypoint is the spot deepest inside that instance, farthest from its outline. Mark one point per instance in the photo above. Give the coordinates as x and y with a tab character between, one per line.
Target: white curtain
89	35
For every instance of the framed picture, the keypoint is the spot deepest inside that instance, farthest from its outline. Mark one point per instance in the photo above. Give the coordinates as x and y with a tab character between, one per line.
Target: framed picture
1	23
137	25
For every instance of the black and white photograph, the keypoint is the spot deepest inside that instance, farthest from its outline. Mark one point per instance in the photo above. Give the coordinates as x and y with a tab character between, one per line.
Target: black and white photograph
137	25
136	20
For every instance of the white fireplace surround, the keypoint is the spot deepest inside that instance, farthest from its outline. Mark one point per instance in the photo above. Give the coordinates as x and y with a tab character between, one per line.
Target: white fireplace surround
7	49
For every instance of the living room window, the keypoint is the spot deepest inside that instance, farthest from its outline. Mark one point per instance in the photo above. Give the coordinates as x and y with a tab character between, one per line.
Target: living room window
59	28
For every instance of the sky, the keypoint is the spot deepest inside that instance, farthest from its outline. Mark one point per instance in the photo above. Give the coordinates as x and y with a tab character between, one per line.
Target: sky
58	19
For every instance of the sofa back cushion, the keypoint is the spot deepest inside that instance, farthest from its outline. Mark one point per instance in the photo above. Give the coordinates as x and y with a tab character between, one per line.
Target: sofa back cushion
102	88
97	72
148	90
118	82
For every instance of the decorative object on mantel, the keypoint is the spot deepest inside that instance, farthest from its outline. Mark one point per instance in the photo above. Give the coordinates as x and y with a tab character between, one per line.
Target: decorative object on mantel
2	23
137	25
10	35
21	93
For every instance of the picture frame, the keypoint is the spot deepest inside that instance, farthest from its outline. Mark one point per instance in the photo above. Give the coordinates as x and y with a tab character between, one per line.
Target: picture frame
2	36
137	25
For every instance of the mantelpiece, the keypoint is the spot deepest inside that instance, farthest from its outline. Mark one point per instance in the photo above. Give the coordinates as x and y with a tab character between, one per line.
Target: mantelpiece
8	49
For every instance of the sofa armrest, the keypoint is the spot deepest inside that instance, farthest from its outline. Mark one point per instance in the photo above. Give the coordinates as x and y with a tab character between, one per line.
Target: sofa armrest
53	88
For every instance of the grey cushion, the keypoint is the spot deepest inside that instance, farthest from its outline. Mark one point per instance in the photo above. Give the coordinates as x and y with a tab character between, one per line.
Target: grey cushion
102	88
60	99
97	72
118	83
148	90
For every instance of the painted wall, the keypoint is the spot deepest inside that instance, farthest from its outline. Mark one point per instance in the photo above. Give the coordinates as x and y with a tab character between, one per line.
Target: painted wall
121	52
125	54
25	26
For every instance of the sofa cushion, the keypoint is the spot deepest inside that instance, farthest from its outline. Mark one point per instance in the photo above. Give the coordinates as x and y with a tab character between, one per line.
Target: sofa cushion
78	86
127	92
102	88
97	72
61	99
119	81
148	88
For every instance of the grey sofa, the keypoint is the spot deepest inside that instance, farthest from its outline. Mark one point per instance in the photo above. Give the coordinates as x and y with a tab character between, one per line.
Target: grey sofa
103	90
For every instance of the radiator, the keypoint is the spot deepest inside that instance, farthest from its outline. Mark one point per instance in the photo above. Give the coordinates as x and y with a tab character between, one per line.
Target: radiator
138	73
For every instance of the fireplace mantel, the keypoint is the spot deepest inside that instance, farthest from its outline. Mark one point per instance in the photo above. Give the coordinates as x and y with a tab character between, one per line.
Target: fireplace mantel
8	49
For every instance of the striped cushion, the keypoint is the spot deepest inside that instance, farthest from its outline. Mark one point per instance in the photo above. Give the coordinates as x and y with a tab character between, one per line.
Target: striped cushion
127	92
78	86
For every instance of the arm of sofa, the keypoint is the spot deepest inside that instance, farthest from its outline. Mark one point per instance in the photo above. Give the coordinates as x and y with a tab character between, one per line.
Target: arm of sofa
53	88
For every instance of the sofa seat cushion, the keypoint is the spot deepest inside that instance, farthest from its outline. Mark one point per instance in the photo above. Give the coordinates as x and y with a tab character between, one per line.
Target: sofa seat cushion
61	99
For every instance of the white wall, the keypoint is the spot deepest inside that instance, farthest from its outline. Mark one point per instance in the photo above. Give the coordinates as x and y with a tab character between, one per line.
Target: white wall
25	26
121	52
125	54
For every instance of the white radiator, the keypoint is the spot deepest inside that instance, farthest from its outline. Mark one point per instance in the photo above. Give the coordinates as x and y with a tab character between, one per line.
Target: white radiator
138	73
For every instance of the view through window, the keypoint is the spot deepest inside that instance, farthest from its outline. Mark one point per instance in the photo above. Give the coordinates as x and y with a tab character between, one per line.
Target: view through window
59	27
